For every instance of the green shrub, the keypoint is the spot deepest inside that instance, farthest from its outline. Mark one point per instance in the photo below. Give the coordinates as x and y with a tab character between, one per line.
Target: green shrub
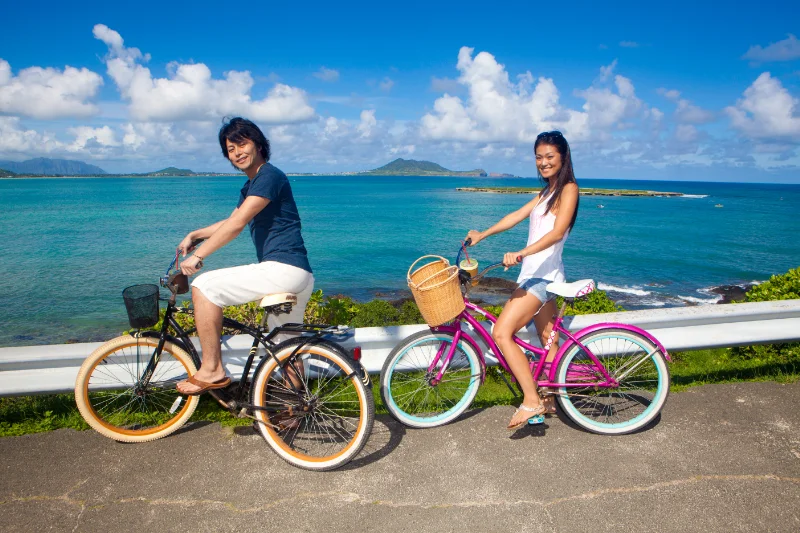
409	314
595	302
341	309
779	287
377	313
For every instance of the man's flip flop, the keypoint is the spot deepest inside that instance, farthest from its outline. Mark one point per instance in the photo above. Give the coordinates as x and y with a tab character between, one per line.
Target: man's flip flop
205	386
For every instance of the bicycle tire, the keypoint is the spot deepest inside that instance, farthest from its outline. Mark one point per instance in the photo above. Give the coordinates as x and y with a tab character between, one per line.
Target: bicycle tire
406	388
112	403
332	422
631	406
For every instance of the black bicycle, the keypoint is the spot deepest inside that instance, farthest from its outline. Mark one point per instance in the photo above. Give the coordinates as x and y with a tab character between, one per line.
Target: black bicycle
310	398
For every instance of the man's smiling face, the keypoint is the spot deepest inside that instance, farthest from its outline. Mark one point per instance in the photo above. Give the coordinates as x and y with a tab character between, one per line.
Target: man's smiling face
244	155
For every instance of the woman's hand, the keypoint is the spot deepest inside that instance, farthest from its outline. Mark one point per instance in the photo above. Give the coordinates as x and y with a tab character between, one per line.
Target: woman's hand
511	259
474	236
186	245
192	265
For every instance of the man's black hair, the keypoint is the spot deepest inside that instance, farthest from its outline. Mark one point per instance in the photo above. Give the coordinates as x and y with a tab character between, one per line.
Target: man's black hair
240	129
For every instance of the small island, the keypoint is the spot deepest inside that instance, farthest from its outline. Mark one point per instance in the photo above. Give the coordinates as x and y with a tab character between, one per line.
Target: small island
410	167
584	191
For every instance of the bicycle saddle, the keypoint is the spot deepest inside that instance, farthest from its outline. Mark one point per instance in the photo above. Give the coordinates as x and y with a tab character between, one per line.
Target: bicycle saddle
278	298
575	289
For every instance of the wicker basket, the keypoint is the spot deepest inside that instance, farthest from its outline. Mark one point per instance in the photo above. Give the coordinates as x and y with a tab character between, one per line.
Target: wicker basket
436	290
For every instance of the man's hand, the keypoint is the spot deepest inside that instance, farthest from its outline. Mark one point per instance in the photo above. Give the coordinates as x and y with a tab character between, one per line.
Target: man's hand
191	266
186	245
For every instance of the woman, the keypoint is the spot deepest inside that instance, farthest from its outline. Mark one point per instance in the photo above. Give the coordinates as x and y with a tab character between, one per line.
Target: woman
552	214
267	205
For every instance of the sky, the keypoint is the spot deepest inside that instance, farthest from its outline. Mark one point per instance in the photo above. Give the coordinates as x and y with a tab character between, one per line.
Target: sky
704	91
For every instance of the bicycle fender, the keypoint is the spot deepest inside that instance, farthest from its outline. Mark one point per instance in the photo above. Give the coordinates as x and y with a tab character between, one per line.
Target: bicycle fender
470	341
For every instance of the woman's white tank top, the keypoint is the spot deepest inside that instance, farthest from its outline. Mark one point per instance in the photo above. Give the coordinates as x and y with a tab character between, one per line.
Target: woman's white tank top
546	264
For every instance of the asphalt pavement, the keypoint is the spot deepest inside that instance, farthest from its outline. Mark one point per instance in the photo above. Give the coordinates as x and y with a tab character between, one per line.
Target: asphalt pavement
721	458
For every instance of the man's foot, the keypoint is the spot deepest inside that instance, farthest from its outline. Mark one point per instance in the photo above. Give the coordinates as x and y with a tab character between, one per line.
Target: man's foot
522	415
195	385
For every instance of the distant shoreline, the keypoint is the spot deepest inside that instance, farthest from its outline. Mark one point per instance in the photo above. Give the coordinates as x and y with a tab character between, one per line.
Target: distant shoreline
583	191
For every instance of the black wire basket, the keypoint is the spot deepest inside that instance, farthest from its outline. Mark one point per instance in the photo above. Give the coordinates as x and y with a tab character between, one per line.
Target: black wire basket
141	302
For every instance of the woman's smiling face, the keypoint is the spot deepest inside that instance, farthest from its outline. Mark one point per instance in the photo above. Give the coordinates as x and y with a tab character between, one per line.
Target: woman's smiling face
548	160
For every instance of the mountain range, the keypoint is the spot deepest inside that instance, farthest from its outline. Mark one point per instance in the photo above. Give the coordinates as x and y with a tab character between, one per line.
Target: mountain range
42	166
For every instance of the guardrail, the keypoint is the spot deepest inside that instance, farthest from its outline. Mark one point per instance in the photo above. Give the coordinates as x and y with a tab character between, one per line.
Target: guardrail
51	369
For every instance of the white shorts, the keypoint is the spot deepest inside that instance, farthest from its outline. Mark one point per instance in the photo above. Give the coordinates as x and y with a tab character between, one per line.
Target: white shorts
247	283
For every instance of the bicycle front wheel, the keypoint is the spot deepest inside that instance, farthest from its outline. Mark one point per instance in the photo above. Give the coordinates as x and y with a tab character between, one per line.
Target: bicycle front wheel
114	400
312	407
634	362
409	390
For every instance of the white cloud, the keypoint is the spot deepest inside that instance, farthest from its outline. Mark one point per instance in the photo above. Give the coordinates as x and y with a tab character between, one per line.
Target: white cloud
497	110
785	50
629	44
692	114
386	84
669	94
191	93
16	140
327	74
87	137
607	71
368	122
48	93
767	110
606	109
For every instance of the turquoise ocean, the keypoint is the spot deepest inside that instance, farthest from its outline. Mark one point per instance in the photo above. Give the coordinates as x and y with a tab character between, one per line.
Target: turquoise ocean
69	246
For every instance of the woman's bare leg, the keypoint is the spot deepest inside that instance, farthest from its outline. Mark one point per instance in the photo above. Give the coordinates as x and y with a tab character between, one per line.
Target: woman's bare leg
517	312
544	325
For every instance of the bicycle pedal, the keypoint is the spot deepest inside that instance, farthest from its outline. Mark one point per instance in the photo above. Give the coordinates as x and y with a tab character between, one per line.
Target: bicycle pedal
536	420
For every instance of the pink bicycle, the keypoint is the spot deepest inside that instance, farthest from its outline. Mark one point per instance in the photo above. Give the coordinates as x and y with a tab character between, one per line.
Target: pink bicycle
609	378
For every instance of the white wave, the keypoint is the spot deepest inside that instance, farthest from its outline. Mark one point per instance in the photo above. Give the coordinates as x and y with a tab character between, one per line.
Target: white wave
694	196
700	301
627	290
653	303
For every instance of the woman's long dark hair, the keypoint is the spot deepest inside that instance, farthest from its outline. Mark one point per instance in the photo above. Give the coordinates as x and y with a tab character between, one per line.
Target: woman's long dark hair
565	175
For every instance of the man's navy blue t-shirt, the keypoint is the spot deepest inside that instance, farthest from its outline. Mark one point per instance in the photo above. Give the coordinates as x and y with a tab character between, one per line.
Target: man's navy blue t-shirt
276	228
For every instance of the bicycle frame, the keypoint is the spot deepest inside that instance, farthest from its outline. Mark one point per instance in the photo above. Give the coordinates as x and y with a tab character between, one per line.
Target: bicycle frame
538	365
181	338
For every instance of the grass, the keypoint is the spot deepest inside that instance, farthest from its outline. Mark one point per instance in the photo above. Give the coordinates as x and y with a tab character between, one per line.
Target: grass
33	414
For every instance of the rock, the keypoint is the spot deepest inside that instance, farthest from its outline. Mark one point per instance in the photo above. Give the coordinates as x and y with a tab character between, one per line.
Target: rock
732	293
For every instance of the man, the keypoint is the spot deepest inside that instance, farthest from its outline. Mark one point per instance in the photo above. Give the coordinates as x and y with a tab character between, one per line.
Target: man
265	203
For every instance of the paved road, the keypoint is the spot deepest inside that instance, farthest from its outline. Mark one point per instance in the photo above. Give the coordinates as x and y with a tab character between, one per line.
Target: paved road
723	458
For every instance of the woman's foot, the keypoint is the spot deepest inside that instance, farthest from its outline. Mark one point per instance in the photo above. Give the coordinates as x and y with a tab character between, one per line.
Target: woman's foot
548	400
522	415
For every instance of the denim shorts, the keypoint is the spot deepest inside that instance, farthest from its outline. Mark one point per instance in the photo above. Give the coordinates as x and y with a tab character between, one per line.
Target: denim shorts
538	287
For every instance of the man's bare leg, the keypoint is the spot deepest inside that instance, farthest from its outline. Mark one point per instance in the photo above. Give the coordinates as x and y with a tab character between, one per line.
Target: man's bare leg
208	318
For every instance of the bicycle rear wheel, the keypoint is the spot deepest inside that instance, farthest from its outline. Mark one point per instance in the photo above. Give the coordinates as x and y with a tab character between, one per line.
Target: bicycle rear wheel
327	420
113	401
634	362
406	385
